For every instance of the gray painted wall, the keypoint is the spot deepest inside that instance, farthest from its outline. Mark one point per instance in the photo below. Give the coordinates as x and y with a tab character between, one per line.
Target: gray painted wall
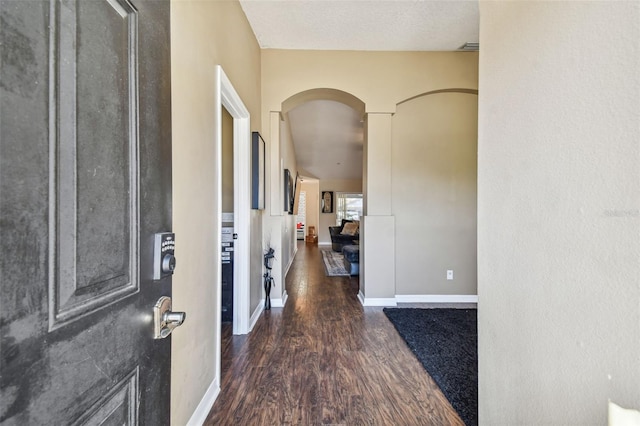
558	200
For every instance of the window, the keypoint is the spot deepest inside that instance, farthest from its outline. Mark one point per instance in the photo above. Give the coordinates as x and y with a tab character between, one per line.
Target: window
348	206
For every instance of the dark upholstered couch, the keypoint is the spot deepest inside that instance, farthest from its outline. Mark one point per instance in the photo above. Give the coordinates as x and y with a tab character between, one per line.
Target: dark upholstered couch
338	240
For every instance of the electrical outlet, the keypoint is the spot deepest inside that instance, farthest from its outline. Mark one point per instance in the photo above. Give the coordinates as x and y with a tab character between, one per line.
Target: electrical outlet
449	274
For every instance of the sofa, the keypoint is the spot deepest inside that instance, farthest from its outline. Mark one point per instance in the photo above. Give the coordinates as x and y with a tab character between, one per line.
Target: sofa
338	240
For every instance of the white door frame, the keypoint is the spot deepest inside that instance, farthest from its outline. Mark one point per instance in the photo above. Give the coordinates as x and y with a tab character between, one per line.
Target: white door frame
229	98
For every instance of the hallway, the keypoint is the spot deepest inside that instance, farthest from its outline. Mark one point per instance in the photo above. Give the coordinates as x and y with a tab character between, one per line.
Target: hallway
324	359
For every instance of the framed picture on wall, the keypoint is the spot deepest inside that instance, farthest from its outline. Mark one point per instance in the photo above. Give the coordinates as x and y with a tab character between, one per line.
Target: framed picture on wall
327	202
288	192
257	171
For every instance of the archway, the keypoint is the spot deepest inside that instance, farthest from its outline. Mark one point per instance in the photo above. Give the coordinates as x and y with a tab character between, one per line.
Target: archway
281	151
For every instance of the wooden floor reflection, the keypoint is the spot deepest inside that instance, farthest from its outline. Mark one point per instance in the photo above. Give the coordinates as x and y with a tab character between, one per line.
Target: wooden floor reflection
324	359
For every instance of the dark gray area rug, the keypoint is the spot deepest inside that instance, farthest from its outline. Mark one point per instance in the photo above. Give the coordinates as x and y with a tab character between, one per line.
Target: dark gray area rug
334	264
445	341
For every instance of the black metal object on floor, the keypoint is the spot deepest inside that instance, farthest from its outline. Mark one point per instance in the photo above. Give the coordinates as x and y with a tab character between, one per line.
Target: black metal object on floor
268	279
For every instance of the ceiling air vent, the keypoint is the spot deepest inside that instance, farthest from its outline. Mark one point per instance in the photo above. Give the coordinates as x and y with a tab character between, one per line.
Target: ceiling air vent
470	47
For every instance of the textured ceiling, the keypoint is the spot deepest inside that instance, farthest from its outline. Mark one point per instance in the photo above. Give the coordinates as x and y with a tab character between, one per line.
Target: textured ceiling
409	25
326	133
327	137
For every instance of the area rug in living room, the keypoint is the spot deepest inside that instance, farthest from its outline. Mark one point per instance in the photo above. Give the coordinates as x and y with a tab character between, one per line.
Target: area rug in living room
334	264
445	341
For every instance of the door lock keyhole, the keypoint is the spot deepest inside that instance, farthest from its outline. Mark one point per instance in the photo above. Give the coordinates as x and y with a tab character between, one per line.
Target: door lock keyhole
168	263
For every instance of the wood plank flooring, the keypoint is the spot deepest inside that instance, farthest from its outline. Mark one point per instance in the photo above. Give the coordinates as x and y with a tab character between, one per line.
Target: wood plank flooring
324	359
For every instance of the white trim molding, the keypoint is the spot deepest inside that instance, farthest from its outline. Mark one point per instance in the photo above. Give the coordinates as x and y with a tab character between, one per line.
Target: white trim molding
204	407
436	298
279	303
256	314
276	303
229	98
417	298
286	270
377	301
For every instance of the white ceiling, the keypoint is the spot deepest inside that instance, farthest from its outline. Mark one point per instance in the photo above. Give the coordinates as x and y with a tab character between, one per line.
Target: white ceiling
410	25
326	132
327	137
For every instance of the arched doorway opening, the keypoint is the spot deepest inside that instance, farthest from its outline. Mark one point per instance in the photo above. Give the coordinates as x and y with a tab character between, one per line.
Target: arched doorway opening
319	136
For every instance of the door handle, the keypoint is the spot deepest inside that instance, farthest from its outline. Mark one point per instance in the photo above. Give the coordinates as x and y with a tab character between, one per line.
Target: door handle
176	318
164	319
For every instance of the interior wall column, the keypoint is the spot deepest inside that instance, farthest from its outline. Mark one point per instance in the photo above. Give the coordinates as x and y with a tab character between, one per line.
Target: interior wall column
273	226
378	228
273	163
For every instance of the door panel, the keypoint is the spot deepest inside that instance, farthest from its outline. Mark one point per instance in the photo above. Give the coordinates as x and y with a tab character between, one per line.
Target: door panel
85	182
96	240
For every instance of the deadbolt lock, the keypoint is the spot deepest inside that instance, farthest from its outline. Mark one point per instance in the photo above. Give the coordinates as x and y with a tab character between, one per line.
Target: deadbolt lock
164	259
164	320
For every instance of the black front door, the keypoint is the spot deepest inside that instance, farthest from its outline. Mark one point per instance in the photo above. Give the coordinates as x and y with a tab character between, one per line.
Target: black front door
85	182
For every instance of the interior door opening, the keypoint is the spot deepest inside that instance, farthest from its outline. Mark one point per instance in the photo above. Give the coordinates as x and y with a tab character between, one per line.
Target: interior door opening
301	217
227	226
237	121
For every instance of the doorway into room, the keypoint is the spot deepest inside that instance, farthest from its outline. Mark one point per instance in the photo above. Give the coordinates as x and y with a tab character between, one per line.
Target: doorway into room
307	210
227	223
231	117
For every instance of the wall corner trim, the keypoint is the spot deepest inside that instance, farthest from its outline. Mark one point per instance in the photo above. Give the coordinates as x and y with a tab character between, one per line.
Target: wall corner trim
436	298
256	314
204	407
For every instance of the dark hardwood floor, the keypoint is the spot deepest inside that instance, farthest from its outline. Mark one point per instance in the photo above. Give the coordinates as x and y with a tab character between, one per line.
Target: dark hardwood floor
324	359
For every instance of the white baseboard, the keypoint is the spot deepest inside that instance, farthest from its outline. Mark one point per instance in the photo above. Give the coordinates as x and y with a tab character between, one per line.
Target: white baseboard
324	244
204	407
417	298
277	303
377	301
256	314
293	256
436	298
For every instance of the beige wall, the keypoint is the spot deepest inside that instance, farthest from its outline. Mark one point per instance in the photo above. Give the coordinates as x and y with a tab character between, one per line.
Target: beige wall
381	80
434	156
329	219
227	161
279	225
203	35
558	202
